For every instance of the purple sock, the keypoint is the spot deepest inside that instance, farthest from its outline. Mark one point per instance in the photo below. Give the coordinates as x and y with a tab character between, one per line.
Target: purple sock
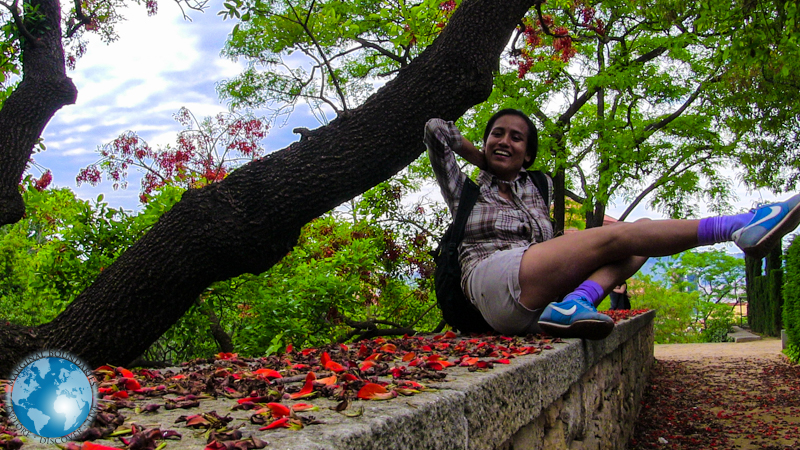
713	230
589	290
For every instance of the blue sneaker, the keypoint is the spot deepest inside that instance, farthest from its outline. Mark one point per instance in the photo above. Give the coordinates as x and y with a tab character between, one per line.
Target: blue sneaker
768	226
575	319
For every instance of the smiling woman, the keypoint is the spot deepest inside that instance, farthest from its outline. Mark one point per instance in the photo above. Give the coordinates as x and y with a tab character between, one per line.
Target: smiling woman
522	279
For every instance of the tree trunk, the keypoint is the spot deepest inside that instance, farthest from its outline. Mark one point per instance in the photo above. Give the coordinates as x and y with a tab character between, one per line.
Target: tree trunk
43	90
249	221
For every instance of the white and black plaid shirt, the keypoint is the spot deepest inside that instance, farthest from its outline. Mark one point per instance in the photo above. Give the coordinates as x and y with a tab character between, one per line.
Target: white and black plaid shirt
495	223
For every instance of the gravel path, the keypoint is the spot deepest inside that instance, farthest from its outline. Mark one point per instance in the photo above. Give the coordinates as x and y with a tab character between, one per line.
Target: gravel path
765	348
742	396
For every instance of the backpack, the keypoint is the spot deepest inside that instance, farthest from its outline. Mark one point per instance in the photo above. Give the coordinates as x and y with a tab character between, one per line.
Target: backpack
456	309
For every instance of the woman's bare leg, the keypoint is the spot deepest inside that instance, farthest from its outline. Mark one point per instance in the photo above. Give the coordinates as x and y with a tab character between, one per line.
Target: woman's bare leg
552	269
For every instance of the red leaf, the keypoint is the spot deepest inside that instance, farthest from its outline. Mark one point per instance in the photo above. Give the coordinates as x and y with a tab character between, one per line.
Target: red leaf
88	445
280	423
303	407
251	400
325	359
279	410
469	361
308	387
334	366
331	380
373	391
366	365
120	394
289	348
389	348
450	335
125	372
131	384
409	356
268	373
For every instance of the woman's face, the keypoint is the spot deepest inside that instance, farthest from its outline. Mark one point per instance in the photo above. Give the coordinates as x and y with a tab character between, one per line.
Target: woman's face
506	147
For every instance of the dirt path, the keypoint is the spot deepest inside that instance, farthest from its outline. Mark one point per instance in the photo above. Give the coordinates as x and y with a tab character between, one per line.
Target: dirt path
765	348
742	396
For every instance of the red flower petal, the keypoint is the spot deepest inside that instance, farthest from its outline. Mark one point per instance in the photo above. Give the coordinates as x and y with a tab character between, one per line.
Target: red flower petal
279	410
268	373
389	348
308	387
325	359
280	423
327	381
366	365
132	384
373	391
88	445
303	407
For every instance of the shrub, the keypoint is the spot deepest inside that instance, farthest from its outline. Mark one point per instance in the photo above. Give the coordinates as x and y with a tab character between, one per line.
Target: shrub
675	311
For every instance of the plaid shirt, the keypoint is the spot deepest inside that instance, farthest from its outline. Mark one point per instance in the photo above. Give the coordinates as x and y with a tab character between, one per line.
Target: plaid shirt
495	223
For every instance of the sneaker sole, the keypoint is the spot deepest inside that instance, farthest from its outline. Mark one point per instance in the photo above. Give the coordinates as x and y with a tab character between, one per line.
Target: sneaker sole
593	330
762	248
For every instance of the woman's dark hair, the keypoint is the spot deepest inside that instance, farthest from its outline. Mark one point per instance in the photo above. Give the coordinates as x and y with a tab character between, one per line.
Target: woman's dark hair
533	135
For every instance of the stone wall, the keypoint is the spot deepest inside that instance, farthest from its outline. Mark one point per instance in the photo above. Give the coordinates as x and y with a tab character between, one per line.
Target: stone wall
581	395
597	411
578	395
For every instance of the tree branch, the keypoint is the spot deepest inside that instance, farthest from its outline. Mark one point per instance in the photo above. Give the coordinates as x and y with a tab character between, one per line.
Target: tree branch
20	23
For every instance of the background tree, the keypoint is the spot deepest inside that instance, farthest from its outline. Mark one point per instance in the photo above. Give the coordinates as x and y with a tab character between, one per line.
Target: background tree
717	278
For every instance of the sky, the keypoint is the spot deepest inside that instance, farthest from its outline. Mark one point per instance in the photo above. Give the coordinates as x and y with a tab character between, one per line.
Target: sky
158	65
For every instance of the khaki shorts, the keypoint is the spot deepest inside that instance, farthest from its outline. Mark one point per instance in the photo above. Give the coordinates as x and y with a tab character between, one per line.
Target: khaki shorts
493	287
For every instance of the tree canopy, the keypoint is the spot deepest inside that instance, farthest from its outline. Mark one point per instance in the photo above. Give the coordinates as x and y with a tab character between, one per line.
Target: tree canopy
635	99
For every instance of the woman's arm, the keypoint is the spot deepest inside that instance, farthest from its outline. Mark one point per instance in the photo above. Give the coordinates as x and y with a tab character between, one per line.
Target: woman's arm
469	152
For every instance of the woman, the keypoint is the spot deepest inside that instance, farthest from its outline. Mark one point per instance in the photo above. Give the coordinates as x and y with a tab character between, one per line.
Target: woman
620	298
523	280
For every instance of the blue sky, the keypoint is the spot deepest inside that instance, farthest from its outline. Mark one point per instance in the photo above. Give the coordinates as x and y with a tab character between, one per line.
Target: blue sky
137	83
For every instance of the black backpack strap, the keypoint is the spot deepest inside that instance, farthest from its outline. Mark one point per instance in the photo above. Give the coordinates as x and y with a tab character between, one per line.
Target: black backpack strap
540	181
469	195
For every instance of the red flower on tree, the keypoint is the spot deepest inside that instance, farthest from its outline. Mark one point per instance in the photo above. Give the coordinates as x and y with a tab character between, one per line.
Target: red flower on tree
206	152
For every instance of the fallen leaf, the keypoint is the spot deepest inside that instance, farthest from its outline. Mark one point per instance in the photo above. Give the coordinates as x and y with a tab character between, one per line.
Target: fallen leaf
279	410
374	391
308	387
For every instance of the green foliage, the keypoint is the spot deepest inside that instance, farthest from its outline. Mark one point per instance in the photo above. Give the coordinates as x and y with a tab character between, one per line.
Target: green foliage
792	351
59	248
675	321
712	277
344	45
718	324
791	295
764	296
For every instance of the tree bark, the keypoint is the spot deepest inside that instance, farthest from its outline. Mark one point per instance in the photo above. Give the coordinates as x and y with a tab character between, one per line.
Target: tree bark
249	221
43	90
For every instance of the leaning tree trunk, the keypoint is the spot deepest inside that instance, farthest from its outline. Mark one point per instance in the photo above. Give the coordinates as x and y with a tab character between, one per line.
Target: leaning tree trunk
249	221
